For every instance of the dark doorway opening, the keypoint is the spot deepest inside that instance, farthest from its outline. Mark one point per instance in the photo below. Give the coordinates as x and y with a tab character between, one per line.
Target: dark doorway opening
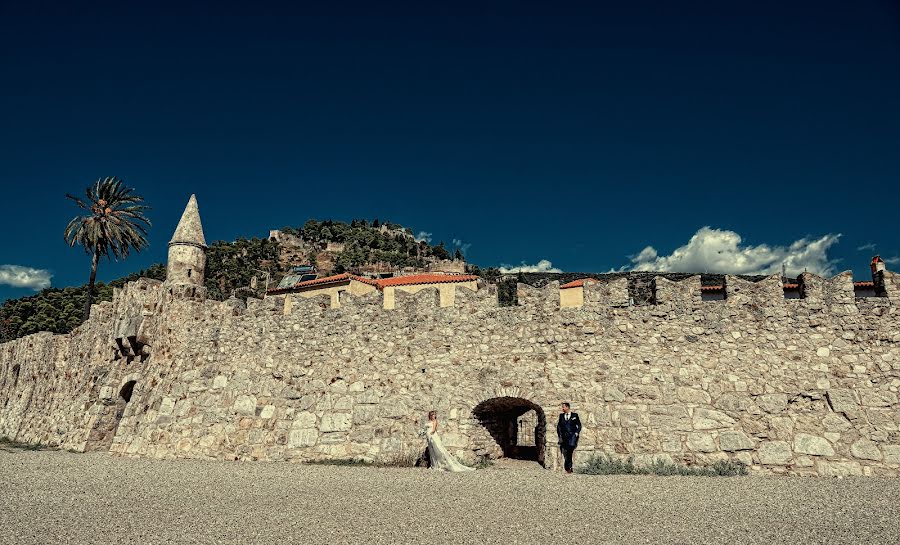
517	425
127	390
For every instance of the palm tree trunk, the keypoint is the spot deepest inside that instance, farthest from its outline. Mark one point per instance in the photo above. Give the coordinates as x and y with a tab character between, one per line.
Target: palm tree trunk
90	290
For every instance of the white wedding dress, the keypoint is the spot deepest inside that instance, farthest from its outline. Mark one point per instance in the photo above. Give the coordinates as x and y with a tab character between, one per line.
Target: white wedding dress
440	458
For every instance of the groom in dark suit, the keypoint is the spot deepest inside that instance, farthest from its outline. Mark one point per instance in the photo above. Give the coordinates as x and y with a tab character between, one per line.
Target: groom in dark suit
568	428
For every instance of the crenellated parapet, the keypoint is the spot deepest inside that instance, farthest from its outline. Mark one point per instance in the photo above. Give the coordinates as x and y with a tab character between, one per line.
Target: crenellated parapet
603	294
683	295
539	300
794	377
763	299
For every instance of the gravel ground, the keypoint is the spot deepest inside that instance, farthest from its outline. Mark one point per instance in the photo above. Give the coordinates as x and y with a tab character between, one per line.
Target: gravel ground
51	497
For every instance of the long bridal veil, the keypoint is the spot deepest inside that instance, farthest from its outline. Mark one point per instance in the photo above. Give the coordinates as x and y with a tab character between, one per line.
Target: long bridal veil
440	458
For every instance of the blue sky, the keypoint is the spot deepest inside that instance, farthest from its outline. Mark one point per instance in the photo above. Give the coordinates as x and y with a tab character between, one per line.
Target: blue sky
721	137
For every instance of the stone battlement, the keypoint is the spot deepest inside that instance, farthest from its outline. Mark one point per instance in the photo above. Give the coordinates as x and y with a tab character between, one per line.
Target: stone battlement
805	386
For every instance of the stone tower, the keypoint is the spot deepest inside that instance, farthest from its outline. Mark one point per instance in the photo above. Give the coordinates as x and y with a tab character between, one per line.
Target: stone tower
186	269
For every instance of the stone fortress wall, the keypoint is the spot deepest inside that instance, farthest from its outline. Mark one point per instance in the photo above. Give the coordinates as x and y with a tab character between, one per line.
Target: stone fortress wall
803	386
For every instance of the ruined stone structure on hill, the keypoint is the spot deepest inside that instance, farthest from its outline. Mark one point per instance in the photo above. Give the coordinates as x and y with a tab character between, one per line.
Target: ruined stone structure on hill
804	386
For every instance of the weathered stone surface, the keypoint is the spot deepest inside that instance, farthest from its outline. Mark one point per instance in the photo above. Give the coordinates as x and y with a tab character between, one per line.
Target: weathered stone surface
245	405
693	395
891	454
772	403
827	468
302	438
805	443
304	420
782	384
842	400
865	449
335	422
709	419
775	453
701	442
731	441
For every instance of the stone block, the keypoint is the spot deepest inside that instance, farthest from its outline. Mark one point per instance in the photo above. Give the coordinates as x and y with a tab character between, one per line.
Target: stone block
394	410
692	395
865	449
245	404
302	438
709	419
814	445
891	454
701	442
167	405
877	398
332	422
731	441
775	453
363	414
842	400
772	403
827	468
305	420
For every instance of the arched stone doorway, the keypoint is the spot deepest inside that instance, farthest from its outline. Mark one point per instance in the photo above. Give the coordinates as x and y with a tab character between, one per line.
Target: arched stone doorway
517	425
106	425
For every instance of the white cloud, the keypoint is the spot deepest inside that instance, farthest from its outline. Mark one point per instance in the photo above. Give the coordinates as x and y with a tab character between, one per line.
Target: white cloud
720	251
18	276
892	260
463	246
423	237
543	265
868	246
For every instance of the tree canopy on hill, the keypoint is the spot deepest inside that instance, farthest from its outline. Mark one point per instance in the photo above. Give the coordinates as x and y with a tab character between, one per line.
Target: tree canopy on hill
365	243
59	310
229	266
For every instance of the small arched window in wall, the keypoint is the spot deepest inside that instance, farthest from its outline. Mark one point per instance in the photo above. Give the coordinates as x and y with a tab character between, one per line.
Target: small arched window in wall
127	390
189	273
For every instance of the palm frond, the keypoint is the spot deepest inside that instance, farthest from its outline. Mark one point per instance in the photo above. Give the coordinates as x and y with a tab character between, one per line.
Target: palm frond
116	224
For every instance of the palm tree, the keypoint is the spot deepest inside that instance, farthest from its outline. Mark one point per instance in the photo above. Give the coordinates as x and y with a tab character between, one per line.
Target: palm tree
113	226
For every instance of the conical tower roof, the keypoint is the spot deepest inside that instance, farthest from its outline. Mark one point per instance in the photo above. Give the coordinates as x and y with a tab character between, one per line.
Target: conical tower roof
189	230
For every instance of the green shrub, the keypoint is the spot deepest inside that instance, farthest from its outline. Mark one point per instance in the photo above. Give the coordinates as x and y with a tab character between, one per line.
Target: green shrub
605	464
9	444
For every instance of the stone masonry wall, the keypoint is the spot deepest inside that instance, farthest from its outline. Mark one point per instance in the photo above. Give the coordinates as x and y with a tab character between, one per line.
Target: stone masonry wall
801	386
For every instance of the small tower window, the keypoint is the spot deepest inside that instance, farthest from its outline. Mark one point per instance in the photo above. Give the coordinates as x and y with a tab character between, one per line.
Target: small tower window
189	273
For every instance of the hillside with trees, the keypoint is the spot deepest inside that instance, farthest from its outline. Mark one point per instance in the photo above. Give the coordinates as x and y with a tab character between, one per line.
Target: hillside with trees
231	267
364	244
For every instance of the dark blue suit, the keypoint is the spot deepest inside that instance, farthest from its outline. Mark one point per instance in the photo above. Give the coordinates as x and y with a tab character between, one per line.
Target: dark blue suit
568	432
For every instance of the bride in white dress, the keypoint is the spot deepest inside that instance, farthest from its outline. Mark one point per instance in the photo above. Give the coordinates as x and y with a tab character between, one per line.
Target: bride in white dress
440	458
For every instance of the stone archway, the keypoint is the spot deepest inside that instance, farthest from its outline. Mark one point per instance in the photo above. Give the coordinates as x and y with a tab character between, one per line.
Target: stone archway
517	425
106	425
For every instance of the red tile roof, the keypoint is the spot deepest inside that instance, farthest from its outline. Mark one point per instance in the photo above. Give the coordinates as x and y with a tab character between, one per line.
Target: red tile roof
578	283
382	283
334	279
791	286
712	288
424	279
864	284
